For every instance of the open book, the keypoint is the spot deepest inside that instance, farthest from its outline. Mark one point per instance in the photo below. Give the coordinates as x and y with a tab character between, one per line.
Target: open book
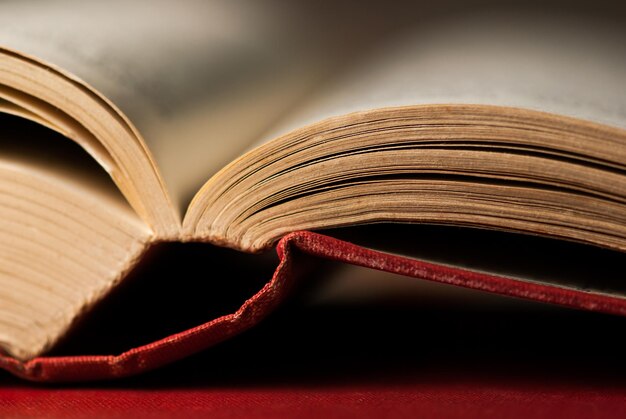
238	125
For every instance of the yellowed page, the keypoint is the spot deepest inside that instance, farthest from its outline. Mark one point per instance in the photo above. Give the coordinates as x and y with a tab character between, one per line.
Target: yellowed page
159	61
201	80
206	80
67	236
569	65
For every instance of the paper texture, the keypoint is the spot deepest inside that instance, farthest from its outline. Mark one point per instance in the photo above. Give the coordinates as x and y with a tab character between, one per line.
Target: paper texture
200	80
205	81
560	64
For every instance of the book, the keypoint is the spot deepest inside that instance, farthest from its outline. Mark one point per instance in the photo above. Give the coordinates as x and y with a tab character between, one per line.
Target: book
249	127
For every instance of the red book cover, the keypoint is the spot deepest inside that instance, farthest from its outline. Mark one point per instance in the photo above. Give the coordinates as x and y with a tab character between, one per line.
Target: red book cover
199	338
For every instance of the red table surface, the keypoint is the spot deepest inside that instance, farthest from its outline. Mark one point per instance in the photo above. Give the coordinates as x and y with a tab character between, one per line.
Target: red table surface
425	400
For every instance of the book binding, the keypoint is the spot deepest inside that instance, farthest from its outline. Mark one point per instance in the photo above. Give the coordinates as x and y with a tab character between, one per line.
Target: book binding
255	309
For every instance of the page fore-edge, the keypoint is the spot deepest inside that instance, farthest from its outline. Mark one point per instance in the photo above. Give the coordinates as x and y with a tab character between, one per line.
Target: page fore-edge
252	311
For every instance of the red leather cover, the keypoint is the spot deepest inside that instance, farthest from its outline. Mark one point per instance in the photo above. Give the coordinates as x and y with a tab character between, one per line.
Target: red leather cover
188	342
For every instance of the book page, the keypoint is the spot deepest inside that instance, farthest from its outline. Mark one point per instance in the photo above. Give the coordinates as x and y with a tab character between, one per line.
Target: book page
563	64
66	235
167	65
201	80
205	81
